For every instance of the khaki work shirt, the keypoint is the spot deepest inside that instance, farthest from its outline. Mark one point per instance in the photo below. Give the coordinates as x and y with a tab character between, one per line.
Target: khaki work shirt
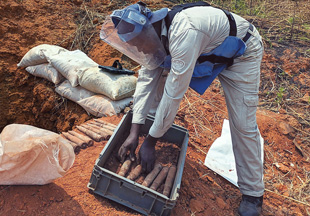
192	32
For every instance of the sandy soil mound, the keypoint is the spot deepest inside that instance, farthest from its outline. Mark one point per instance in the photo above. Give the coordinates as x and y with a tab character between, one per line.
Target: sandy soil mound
29	100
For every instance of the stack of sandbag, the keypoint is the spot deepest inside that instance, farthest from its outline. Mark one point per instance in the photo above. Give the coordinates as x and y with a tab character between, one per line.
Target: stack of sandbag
95	104
114	86
72	64
31	155
36	62
78	78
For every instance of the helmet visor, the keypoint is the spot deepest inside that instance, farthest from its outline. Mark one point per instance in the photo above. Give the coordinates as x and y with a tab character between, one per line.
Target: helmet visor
138	42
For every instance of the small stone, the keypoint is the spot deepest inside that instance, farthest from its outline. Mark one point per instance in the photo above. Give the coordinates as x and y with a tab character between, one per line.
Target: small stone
284	169
285	128
282	111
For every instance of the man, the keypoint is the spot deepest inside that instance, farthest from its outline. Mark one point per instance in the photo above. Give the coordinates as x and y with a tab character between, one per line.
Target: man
202	42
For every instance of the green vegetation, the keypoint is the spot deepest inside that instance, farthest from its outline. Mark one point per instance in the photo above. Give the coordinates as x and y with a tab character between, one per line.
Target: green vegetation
279	97
284	21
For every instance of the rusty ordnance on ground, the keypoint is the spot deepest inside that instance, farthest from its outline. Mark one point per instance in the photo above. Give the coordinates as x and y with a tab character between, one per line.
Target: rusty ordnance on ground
152	175
124	168
135	173
76	140
105	123
160	178
108	127
169	180
103	126
103	134
75	147
91	134
104	130
86	139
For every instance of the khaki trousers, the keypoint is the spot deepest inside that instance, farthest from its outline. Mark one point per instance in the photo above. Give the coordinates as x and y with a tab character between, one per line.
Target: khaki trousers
241	86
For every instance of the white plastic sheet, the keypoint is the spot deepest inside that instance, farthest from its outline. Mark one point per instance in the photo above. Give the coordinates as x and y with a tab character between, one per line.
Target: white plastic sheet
220	157
32	156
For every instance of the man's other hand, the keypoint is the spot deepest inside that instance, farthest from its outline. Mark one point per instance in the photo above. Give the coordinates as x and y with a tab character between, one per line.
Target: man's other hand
147	154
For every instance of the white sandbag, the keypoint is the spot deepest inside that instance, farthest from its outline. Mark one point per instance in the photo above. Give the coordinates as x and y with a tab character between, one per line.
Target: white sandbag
73	93
72	64
46	71
33	156
114	86
40	54
99	105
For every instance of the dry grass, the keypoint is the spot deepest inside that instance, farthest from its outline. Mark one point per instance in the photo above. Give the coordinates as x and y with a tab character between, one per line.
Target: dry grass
87	21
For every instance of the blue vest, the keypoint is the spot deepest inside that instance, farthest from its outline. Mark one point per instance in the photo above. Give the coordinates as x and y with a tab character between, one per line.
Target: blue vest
205	72
211	64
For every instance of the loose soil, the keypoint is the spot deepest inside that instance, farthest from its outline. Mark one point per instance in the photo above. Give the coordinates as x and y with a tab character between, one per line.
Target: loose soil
29	100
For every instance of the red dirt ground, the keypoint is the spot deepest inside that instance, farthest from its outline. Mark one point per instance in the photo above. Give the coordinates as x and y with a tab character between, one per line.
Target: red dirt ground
28	100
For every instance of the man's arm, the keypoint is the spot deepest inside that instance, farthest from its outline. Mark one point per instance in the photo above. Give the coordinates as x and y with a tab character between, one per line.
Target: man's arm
146	89
184	55
185	48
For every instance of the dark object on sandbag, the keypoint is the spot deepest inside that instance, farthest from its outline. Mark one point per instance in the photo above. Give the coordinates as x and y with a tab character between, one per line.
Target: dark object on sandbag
116	68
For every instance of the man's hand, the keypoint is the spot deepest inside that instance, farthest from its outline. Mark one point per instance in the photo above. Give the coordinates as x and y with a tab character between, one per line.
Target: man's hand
130	144
147	154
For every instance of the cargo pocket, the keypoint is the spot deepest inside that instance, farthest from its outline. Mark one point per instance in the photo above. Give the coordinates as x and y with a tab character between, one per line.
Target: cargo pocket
251	102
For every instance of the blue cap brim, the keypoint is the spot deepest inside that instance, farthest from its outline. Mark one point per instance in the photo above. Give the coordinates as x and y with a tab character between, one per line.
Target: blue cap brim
158	15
